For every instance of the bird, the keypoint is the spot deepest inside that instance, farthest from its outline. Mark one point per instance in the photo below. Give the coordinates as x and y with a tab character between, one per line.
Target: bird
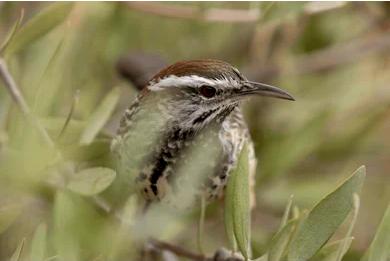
184	105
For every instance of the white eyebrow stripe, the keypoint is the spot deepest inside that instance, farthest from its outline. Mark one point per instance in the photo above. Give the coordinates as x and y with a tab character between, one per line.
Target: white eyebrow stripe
175	81
191	81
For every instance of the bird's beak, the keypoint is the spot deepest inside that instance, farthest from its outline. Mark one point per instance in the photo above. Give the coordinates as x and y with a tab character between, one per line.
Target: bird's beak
262	89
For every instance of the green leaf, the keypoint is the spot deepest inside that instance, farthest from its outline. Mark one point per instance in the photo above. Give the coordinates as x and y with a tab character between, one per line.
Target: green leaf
281	240
343	248
228	215
380	247
8	213
12	32
286	213
100	116
18	251
91	181
95	150
330	251
39	26
324	219
237	212
38	245
65	242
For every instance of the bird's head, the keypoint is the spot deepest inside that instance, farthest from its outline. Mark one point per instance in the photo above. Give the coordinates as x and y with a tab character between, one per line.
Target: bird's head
203	90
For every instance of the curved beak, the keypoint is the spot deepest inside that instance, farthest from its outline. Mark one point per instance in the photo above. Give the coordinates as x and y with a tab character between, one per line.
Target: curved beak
262	89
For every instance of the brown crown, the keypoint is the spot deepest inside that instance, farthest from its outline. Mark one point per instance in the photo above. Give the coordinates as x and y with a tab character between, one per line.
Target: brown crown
212	69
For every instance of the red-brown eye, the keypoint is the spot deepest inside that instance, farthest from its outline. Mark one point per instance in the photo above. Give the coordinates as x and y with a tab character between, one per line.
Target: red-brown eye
207	91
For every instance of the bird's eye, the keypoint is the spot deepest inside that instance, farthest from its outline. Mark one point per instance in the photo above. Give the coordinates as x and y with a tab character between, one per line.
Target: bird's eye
207	91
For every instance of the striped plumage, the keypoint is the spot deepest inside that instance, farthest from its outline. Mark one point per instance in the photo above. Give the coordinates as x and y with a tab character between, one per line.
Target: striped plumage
187	105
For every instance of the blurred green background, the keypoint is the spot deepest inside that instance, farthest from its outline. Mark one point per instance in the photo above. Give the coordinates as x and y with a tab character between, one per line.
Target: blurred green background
333	57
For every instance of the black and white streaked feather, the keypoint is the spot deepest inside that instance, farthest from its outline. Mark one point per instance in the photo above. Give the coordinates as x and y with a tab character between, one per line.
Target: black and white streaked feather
171	117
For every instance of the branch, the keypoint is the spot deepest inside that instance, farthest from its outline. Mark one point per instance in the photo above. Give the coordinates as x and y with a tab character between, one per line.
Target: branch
17	96
327	58
341	54
196	13
218	14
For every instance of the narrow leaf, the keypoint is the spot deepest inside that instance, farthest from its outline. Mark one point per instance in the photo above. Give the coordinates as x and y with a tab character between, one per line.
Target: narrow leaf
91	181
345	243
8	213
330	251
324	219
228	214
38	245
95	150
12	32
241	205
286	213
380	247
16	255
75	100
281	240
39	26
65	241
100	116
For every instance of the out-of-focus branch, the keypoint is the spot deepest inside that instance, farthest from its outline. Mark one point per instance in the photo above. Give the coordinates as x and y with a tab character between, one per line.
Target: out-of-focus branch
220	14
17	96
341	54
327	58
197	13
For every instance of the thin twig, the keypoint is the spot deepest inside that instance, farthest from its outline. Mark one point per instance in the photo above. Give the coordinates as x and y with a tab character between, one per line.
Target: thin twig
70	114
17	96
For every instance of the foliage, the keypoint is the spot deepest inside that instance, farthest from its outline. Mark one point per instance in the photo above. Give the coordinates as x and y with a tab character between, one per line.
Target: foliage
67	202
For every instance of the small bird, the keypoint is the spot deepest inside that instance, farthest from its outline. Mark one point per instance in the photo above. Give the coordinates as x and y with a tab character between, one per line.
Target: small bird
182	105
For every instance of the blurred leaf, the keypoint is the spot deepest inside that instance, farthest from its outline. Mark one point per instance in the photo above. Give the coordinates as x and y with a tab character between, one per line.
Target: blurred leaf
38	245
349	140
122	237
286	213
280	12
237	212
262	258
39	26
75	101
8	213
281	240
50	79
291	149
18	251
324	219
91	181
66	244
12	32
96	149
330	251
100	116
73	131
380	247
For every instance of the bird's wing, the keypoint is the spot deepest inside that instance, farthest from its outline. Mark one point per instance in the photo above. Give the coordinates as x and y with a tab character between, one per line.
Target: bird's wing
138	134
